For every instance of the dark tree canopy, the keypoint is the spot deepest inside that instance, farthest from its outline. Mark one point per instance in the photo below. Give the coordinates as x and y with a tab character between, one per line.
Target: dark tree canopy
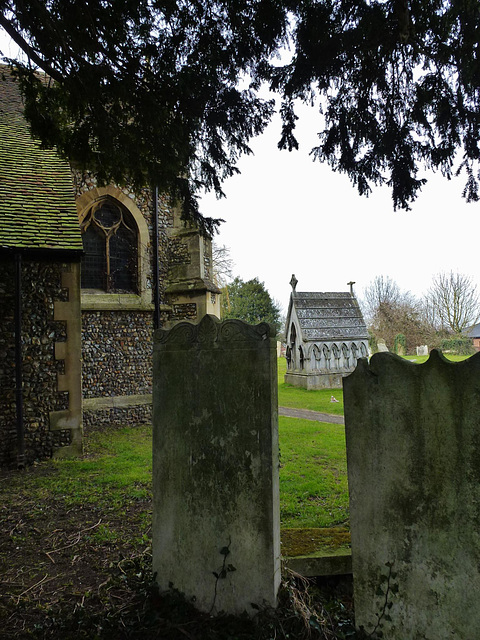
165	92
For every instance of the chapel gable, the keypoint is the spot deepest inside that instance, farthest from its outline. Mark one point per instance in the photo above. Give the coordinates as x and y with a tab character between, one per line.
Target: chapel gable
325	336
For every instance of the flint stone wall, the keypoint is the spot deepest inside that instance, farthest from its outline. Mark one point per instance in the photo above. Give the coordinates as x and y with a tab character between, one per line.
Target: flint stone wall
117	349
216	522
117	345
41	288
95	420
413	453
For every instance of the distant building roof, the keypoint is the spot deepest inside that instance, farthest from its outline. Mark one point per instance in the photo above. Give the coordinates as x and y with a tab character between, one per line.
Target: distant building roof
328	316
37	202
473	332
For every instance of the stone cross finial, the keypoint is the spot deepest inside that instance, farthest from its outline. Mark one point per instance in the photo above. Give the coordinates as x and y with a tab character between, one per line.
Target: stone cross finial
293	282
350	284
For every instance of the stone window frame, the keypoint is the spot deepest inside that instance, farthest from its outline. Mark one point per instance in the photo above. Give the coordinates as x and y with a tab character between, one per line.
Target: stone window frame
106	301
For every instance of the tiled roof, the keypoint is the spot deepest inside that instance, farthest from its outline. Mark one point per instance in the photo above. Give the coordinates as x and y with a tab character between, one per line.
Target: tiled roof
329	316
37	202
473	332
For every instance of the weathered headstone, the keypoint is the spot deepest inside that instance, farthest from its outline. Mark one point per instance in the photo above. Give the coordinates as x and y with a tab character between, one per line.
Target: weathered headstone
422	350
216	529
413	453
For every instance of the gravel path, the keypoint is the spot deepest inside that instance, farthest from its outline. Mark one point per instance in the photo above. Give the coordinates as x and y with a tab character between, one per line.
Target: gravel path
306	414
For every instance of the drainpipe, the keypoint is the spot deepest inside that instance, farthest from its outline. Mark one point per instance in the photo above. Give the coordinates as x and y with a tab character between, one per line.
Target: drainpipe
19	362
156	283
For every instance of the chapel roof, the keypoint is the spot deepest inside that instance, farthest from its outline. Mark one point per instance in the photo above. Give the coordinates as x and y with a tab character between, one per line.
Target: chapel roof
37	202
324	316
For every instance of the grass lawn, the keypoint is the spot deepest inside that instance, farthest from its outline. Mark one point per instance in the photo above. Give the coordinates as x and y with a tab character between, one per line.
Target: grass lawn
313	474
115	475
422	359
315	400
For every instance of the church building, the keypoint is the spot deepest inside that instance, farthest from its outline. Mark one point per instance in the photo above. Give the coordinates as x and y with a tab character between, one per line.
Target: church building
86	274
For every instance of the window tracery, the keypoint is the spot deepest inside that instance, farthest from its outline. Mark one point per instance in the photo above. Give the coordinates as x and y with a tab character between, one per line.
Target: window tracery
346	355
110	241
354	353
316	357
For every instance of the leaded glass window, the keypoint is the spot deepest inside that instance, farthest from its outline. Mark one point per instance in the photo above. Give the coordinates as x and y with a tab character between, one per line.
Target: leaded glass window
110	242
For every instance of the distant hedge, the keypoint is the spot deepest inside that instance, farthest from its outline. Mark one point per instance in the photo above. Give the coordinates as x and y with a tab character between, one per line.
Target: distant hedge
460	346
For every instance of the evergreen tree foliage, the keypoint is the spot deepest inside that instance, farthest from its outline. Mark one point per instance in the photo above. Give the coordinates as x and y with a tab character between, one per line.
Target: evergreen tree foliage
250	301
165	92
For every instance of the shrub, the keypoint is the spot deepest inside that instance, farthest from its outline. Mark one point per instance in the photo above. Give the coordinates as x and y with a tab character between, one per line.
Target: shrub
460	346
400	344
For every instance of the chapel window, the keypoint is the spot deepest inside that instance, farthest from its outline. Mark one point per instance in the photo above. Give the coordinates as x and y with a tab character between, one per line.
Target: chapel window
110	241
302	357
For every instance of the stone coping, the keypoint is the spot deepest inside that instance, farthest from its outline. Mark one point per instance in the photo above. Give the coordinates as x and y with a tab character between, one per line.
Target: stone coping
313	565
192	284
116	402
117	302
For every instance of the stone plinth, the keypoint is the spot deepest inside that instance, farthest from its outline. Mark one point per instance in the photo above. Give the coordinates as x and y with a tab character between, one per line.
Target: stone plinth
413	454
313	381
216	531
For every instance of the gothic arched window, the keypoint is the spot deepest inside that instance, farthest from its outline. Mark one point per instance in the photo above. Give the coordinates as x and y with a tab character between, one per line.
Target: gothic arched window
316	357
354	353
110	242
346	355
302	357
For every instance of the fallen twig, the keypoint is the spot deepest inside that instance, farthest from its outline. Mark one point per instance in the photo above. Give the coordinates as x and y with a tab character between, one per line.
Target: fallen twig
72	544
44	580
18	524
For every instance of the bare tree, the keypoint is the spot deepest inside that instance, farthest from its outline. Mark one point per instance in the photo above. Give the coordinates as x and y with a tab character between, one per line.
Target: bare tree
222	265
380	292
455	300
389	311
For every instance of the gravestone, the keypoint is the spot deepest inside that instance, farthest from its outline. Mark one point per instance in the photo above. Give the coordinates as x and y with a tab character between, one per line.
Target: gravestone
381	346
216	524
422	350
413	454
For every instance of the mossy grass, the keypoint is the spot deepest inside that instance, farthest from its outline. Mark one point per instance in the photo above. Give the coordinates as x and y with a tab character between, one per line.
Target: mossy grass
312	541
116	469
113	480
76	556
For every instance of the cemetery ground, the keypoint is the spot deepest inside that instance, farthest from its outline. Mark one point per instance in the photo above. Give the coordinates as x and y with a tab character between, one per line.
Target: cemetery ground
75	551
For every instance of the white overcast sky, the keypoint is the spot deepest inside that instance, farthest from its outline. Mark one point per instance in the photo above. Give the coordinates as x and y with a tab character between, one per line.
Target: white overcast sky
287	214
